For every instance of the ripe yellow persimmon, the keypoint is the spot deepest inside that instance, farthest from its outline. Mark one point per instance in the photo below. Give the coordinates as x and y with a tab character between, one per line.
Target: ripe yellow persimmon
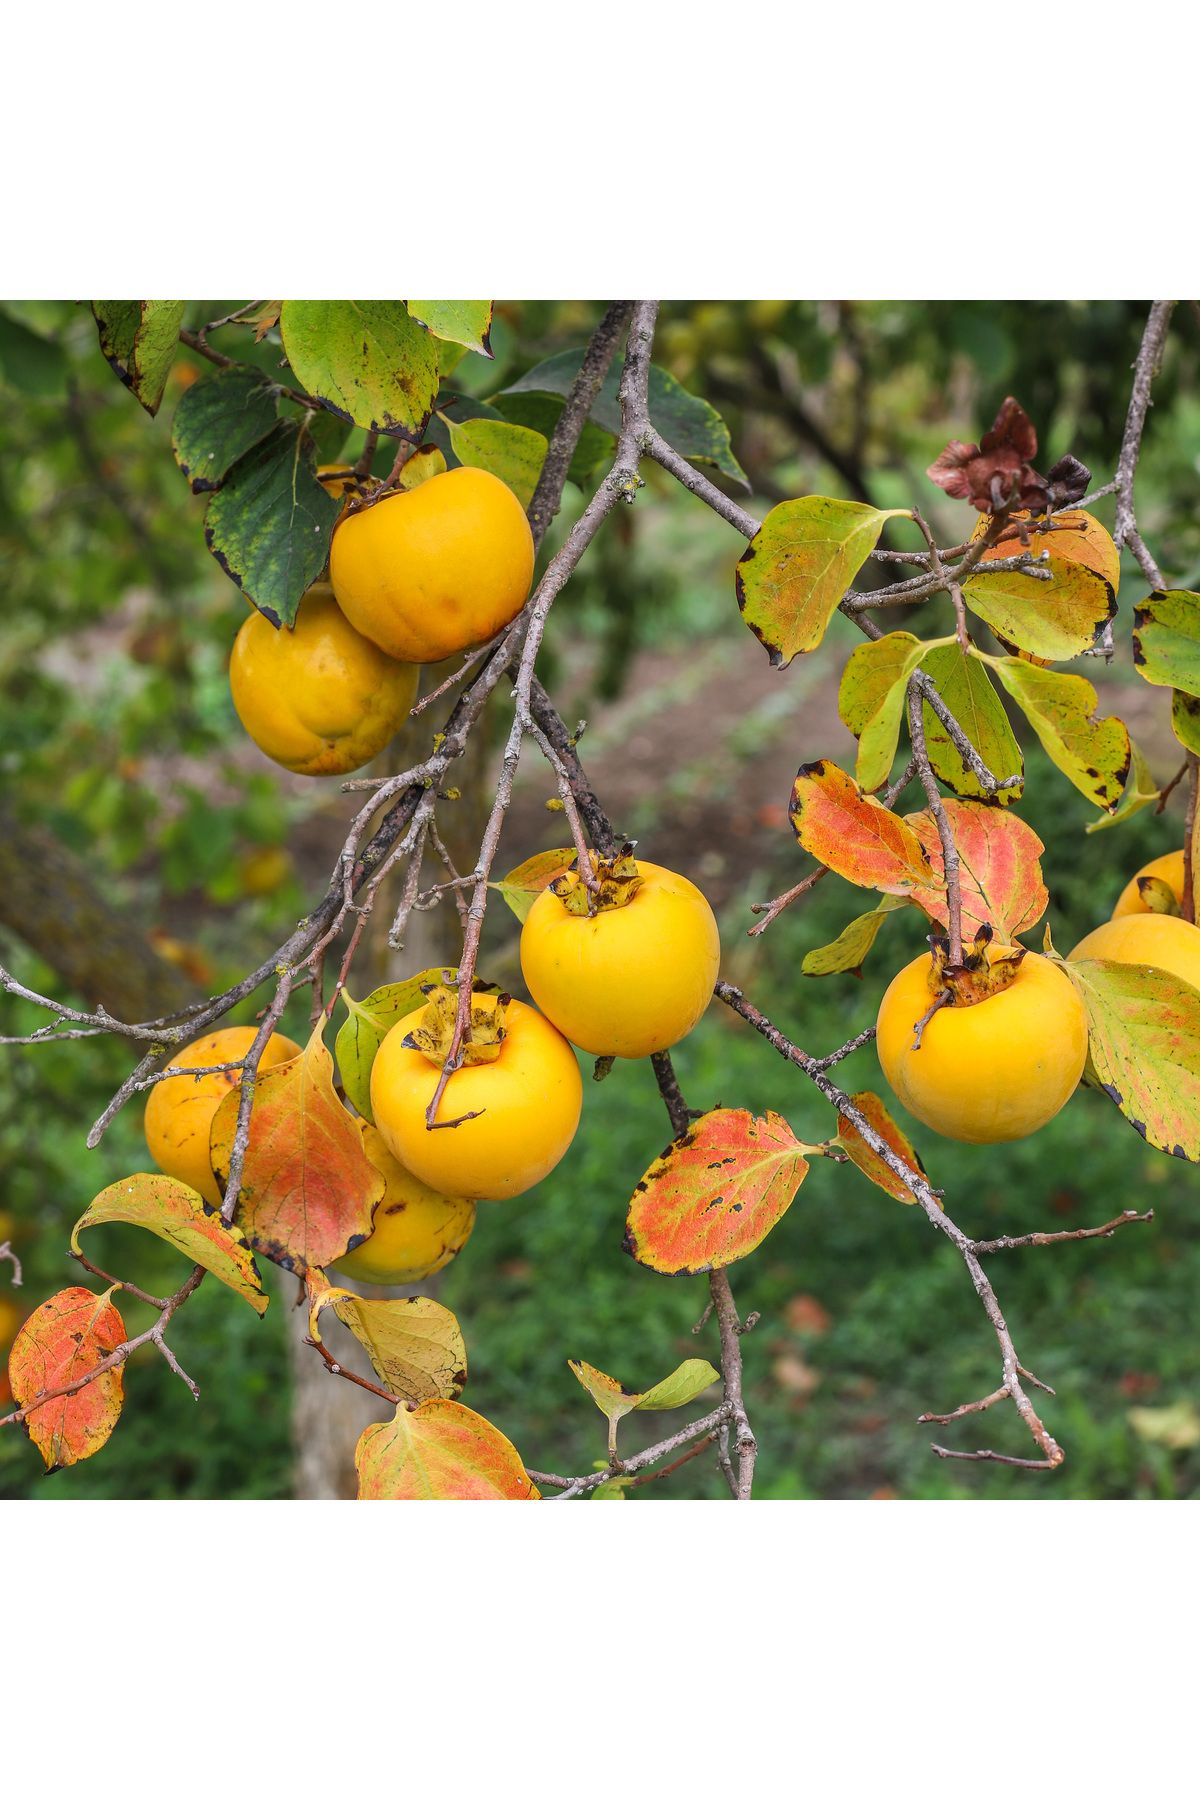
180	1110
429	572
985	1073
630	979
319	699
1168	868
414	1231
528	1100
1155	940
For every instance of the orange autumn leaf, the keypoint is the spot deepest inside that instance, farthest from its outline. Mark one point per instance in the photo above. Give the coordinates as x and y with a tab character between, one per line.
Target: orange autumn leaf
1000	872
868	1160
69	1335
308	1186
854	835
715	1193
441	1451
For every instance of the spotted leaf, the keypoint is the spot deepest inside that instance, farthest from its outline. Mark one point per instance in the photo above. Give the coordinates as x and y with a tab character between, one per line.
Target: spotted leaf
854	835
68	1336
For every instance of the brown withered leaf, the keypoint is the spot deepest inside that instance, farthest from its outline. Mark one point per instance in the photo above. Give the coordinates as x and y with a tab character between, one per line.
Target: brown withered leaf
998	469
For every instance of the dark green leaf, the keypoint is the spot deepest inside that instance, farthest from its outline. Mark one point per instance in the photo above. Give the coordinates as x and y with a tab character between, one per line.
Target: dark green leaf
688	423
30	363
218	420
269	526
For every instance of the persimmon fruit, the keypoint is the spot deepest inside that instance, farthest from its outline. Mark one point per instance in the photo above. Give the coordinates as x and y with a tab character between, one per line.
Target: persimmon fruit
431	571
1155	940
527	1097
1168	869
988	1072
179	1112
634	976
319	699
414	1230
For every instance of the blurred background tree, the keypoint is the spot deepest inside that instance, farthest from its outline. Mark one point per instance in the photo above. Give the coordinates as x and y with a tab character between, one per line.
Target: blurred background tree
147	849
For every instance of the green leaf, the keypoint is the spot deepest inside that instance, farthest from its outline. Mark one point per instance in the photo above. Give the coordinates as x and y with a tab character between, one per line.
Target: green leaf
465	322
965	687
541	412
218	420
871	701
270	524
139	339
31	363
1139	791
679	1388
512	452
1166	639
366	360
369	1022
798	565
688	423
851	947
1144	1048
1185	720
522	885
1094	754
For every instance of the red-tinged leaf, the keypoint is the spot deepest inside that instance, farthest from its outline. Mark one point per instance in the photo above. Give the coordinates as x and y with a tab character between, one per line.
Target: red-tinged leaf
1055	619
868	1160
799	564
715	1193
69	1335
522	885
308	1186
442	1451
854	835
1000	875
1144	1048
415	1345
177	1214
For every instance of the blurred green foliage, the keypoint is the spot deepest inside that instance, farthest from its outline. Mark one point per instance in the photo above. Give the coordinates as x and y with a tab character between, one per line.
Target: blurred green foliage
120	734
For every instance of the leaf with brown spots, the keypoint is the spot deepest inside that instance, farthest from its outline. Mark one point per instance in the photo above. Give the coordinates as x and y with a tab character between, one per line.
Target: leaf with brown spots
800	562
1000	874
1144	1048
1166	639
308	1186
868	1160
522	885
854	835
1092	753
442	1451
415	1345
715	1193
66	1338
1140	788
1056	619
176	1213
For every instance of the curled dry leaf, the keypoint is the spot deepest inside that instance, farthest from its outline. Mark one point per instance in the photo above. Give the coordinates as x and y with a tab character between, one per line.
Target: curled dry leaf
415	1345
177	1214
308	1186
868	1160
442	1451
996	470
714	1193
65	1339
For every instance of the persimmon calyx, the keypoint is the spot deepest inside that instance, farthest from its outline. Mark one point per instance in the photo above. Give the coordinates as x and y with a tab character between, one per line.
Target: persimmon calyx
1157	895
982	972
616	881
485	1032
